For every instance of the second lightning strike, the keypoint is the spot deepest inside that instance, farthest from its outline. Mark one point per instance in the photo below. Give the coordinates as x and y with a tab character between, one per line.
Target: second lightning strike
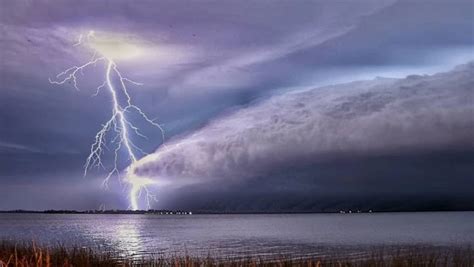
108	49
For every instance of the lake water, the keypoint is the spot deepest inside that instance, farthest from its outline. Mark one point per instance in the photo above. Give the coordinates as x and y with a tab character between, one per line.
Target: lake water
234	235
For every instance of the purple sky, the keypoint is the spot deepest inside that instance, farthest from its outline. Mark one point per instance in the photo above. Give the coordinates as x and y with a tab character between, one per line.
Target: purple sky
225	73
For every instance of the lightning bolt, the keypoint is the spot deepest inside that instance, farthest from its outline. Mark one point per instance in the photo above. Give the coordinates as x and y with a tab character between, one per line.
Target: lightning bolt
118	124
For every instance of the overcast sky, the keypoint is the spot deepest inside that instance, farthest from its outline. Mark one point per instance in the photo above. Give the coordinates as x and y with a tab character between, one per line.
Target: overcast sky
248	95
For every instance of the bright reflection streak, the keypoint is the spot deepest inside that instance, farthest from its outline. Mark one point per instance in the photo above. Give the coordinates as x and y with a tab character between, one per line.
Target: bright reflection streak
128	239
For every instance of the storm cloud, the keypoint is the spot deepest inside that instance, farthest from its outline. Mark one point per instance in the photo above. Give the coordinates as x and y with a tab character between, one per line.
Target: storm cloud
298	130
207	60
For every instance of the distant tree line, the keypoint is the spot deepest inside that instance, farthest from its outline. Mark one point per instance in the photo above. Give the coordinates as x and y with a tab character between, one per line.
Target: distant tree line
152	211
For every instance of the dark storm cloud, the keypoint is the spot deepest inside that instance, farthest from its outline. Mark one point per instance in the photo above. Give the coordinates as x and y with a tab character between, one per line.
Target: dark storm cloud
270	142
434	180
211	56
224	41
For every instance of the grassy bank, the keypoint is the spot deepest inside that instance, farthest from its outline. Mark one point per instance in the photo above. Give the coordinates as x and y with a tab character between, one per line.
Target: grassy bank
31	255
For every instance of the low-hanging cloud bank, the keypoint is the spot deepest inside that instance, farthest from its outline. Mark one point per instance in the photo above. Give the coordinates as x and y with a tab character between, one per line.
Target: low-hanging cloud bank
380	116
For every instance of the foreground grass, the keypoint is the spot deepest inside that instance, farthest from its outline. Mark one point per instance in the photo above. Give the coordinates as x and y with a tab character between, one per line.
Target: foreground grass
31	255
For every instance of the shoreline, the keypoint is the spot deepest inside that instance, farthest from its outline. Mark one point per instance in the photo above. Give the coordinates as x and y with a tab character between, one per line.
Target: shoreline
30	254
172	212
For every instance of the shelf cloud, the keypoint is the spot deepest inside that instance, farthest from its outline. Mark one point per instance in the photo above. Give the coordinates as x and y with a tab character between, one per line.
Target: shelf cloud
364	118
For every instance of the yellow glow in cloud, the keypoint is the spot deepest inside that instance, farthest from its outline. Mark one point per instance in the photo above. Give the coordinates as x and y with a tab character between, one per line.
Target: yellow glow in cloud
120	47
116	47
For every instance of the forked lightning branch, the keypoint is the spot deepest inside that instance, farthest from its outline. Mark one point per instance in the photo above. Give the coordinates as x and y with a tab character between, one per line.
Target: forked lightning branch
119	128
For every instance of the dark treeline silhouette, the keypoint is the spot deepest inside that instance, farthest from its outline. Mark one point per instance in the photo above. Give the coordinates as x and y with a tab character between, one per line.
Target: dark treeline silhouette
161	212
